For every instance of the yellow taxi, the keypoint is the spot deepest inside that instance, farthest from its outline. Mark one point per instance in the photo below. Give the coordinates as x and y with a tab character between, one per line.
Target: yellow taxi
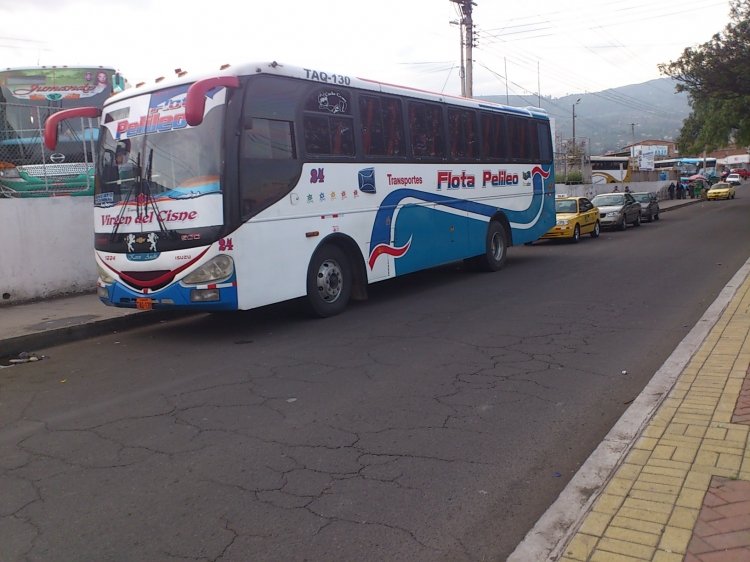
576	216
721	190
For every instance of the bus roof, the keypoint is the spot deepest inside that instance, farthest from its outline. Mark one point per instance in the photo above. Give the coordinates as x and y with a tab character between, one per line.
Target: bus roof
325	77
61	67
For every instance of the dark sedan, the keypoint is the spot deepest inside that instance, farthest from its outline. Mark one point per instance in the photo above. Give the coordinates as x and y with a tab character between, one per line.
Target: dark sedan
649	205
617	210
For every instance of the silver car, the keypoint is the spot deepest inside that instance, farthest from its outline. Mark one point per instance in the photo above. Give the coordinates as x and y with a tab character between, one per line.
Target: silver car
649	205
617	210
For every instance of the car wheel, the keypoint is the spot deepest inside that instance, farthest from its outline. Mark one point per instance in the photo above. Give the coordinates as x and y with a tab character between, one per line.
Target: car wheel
329	281
597	230
496	248
637	221
576	235
624	224
656	217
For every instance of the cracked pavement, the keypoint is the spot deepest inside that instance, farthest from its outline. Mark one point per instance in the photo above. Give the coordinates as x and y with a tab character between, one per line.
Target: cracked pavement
436	421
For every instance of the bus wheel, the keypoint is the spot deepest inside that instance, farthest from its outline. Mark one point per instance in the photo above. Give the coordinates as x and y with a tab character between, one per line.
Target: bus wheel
496	251
329	281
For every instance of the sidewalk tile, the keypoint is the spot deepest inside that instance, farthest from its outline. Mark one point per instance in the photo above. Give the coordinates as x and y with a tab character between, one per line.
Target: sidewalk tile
675	539
683	517
631	536
663	556
595	524
581	546
638	525
625	548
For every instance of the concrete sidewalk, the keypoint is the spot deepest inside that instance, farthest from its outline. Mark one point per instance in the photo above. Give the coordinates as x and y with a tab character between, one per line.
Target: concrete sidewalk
671	481
31	326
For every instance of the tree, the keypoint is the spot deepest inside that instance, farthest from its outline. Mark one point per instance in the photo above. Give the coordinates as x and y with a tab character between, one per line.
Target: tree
716	77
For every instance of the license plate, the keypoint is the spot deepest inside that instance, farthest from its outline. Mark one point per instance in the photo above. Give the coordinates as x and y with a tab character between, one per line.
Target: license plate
144	304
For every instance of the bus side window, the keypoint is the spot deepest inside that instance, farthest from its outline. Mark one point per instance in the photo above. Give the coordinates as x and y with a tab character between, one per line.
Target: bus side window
317	138
461	138
518	130
426	130
494	137
327	123
381	125
545	145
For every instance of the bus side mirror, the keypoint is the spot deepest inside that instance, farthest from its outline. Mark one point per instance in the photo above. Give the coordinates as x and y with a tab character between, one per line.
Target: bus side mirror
50	125
195	100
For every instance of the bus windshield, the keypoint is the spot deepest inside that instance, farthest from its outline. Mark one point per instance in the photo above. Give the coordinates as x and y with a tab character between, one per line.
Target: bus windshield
27	97
158	180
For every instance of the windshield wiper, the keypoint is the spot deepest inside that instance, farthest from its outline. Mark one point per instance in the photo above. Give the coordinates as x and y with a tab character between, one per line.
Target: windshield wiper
124	204
147	188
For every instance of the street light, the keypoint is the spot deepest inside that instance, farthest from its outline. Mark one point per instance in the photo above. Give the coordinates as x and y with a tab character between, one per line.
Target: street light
574	120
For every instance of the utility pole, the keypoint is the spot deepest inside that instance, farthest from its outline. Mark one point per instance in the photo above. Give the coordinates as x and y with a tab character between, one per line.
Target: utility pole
467	43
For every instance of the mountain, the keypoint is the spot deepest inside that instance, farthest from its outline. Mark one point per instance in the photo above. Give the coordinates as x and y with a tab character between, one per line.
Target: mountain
614	118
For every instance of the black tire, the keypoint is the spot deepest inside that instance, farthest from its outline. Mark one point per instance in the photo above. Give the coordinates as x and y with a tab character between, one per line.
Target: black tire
597	230
656	217
624	224
637	221
576	235
329	281
496	248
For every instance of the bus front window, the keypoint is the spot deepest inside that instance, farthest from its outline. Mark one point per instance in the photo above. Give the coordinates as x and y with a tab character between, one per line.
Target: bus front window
161	183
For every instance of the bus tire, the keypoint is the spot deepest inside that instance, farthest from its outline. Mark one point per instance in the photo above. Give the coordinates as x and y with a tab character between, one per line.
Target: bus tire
329	281
496	248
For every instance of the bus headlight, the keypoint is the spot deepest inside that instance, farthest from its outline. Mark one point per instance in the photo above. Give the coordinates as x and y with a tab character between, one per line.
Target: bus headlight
219	268
105	277
8	170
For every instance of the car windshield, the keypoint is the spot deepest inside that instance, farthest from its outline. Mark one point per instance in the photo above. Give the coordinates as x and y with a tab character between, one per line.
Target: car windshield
568	206
720	186
642	197
610	199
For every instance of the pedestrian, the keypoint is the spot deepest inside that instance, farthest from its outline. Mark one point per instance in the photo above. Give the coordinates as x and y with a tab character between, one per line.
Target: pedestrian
616	190
671	190
627	189
680	191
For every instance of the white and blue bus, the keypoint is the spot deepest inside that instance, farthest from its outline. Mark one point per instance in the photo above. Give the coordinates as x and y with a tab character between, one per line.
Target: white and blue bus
263	182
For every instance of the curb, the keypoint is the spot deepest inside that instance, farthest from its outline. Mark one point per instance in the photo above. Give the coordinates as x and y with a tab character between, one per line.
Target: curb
547	539
67	334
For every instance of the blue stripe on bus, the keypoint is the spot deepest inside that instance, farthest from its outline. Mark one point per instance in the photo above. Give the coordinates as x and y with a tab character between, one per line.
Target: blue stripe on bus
381	230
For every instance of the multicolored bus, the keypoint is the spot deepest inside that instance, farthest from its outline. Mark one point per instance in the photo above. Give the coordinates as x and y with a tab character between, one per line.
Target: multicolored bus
27	97
689	166
264	182
610	169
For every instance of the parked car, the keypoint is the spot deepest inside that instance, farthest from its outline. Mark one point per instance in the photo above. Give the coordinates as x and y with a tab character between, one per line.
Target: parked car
649	205
734	179
575	216
742	172
721	190
617	210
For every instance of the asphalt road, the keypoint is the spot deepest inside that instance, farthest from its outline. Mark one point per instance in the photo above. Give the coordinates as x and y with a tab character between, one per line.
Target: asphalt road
436	421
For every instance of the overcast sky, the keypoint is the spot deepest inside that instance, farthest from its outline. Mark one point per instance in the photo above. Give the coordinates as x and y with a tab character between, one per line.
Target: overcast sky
560	48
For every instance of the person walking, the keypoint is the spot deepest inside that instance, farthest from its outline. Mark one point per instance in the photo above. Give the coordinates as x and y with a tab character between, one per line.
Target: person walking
680	191
670	189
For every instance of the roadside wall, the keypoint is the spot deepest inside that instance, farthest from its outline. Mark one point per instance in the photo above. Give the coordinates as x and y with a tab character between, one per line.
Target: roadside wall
46	248
589	190
47	243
